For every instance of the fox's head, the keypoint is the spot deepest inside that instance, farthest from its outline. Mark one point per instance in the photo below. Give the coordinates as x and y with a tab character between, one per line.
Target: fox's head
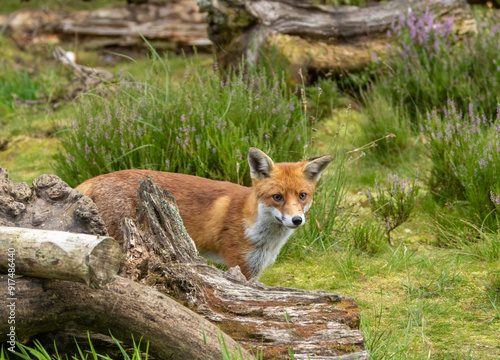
285	190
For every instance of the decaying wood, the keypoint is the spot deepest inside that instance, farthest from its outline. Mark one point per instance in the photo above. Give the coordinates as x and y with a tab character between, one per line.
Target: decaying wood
123	307
160	253
49	205
176	22
312	36
83	258
86	77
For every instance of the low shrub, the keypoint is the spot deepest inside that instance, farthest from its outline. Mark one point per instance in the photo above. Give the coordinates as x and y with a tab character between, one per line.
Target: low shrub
202	125
427	64
465	154
393	203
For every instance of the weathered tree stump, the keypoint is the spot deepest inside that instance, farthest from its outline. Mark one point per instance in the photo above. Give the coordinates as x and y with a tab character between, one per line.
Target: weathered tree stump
311	36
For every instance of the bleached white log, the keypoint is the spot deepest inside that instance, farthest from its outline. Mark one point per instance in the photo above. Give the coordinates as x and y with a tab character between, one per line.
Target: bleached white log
91	259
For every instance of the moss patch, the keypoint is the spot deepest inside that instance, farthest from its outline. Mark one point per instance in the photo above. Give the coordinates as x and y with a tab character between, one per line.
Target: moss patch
27	158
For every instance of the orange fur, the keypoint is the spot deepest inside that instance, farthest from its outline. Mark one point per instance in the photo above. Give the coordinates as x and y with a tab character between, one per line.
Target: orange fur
225	220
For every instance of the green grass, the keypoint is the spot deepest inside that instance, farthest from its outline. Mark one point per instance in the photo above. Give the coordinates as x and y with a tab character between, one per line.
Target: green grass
27	158
136	351
40	352
415	300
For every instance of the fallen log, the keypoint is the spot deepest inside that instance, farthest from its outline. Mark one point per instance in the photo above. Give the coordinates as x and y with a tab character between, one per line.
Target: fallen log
315	37
173	22
83	258
36	306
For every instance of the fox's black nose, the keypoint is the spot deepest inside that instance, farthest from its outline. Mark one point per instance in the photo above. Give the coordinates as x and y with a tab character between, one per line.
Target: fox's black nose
297	220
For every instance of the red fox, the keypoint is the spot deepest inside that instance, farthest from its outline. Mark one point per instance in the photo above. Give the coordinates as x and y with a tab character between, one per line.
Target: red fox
230	224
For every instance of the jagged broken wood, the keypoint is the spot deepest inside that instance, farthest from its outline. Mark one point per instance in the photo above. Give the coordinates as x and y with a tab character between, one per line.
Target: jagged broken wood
90	259
317	38
160	253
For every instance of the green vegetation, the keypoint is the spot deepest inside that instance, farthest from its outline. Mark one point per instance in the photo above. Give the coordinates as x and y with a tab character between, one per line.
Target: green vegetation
201	125
432	64
393	203
39	351
434	291
416	301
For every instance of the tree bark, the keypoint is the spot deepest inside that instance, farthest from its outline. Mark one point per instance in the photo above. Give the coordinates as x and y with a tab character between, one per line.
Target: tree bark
319	38
49	205
39	305
83	258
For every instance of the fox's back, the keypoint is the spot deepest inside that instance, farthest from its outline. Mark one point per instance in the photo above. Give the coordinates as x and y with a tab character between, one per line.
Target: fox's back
206	206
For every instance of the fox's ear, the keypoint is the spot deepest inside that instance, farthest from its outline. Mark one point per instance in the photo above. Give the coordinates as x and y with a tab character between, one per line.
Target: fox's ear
314	167
261	165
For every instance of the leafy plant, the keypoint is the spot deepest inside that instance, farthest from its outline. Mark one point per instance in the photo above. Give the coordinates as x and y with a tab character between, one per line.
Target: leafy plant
393	203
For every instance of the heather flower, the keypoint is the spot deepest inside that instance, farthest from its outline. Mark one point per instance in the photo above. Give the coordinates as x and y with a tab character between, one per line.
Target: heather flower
427	36
466	160
495	199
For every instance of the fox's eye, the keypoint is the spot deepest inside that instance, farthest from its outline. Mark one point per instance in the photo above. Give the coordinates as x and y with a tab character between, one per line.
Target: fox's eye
277	197
302	196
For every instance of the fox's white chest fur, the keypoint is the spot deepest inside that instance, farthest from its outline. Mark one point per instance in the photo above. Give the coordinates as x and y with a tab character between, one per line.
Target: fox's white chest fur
268	236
